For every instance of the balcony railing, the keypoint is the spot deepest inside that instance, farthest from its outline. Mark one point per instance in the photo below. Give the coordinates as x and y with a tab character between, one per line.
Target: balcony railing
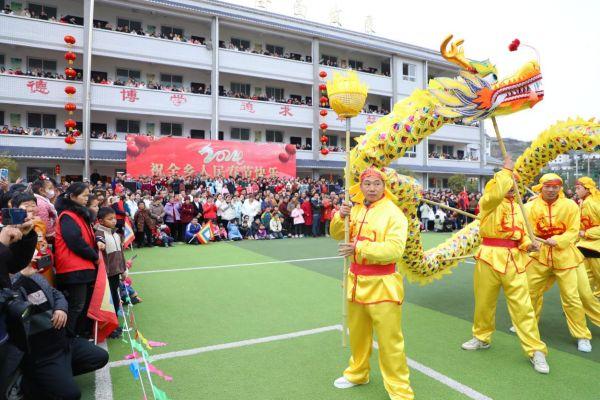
143	48
148	101
244	63
23	31
54	142
19	89
243	110
457	133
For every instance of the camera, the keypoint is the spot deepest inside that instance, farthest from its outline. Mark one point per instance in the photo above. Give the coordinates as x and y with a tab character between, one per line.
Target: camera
13	216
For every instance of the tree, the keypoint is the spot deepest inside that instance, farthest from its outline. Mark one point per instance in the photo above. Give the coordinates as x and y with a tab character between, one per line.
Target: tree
10	164
457	182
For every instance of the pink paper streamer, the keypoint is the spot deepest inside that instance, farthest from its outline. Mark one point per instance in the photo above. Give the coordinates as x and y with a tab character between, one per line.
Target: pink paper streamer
132	356
156	344
160	373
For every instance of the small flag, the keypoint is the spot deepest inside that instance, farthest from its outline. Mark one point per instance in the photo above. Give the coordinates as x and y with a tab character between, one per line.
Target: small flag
101	307
205	234
128	234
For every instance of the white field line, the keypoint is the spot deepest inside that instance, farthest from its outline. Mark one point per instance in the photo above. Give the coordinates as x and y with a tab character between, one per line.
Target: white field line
451	383
103	382
156	271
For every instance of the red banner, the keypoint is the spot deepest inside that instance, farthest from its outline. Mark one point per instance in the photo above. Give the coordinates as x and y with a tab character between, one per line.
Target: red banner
165	156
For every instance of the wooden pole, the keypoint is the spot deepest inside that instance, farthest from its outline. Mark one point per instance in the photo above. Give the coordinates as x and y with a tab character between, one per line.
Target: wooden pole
434	203
528	226
346	239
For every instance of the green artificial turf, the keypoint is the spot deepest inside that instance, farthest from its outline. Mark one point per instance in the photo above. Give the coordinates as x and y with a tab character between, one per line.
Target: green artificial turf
197	308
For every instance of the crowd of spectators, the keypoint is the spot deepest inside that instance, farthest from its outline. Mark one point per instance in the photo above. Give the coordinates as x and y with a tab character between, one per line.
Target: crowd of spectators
196	89
438	219
296	100
5	130
38	73
447	156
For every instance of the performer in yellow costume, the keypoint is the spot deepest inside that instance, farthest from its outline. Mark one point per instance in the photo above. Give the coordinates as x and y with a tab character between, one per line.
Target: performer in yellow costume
589	233
556	219
501	263
378	231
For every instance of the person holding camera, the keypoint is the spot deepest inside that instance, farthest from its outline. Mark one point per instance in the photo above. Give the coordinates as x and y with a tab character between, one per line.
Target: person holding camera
76	255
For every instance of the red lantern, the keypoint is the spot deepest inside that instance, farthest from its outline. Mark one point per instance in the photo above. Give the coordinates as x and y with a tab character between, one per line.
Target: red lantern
70	140
322	87
69	39
76	133
322	74
323	126
284	157
70	72
290	149
323	99
70	56
324	139
70	107
70	90
323	113
324	151
69	123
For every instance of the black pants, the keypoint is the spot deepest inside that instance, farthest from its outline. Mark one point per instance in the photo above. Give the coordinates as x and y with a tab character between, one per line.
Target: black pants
78	296
113	282
174	228
51	377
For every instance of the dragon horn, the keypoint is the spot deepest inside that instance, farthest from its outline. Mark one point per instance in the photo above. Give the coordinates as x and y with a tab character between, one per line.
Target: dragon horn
455	54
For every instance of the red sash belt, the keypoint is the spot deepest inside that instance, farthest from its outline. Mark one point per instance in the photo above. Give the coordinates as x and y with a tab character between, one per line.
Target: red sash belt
497	242
372	269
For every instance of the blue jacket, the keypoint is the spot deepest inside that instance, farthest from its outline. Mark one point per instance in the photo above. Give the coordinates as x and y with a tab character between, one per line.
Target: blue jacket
191	230
233	231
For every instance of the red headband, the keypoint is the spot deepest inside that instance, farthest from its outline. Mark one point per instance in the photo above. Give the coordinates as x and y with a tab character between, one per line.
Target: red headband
372	172
553	182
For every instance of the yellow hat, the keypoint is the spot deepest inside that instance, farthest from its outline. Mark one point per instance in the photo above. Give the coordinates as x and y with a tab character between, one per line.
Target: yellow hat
590	185
356	194
549	179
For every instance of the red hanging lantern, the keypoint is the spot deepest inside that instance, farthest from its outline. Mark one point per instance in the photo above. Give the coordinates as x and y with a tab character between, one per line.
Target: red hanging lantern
290	149
323	99
70	72
70	140
76	132
324	151
70	107
323	126
284	157
322	87
323	74
69	39
69	123
70	56
323	113
324	139
70	90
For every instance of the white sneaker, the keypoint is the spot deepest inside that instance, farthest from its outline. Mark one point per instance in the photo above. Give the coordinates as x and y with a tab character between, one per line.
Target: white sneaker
475	344
584	345
343	383
539	363
512	329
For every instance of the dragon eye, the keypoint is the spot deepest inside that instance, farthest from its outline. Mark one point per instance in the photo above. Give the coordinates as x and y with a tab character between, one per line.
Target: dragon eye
491	78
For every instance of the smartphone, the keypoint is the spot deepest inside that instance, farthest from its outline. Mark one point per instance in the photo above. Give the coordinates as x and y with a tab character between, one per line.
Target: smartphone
3	174
13	216
43	263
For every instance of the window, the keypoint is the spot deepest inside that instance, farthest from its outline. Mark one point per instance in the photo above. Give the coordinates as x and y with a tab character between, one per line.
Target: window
1	117
1	60
276	93
275	49
274	136
124	74
240	134
296	140
333	140
409	72
355	64
329	60
175	81
133	25
98	128
167	30
37	9
15	63
221	135
448	150
35	120
308	141
411	152
41	65
197	133
171	128
385	68
240	43
243	88
128	126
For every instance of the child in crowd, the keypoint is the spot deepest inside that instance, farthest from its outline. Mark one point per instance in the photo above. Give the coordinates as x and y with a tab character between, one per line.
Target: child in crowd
261	234
165	236
246	228
222	232
126	291
276	228
254	228
109	242
233	230
191	230
297	215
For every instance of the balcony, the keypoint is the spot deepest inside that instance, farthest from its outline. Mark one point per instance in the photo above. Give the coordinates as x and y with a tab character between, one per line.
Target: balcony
263	112
133	47
359	123
54	142
243	63
27	90
458	133
23	31
148	101
304	155
378	84
436	162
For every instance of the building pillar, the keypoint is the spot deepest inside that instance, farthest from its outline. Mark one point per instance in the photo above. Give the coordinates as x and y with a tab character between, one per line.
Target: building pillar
214	79
88	24
394	62
315	54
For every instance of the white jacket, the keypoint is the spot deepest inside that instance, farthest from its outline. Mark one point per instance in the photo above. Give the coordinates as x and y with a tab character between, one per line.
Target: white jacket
275	225
227	211
251	209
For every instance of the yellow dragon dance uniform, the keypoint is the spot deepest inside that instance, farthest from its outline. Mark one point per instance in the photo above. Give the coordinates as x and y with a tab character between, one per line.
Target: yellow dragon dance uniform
501	263
375	290
558	220
589	244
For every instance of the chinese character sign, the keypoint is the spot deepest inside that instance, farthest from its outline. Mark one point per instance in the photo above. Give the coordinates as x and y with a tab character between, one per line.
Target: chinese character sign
38	86
190	157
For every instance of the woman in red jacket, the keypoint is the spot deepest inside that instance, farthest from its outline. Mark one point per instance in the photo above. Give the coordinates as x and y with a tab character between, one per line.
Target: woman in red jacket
187	212
75	255
210	210
308	216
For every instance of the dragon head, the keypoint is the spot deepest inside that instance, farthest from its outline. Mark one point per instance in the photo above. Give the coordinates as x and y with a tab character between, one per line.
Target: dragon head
477	94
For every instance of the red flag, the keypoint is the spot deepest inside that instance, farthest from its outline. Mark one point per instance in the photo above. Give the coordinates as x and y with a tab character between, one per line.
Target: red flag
101	307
